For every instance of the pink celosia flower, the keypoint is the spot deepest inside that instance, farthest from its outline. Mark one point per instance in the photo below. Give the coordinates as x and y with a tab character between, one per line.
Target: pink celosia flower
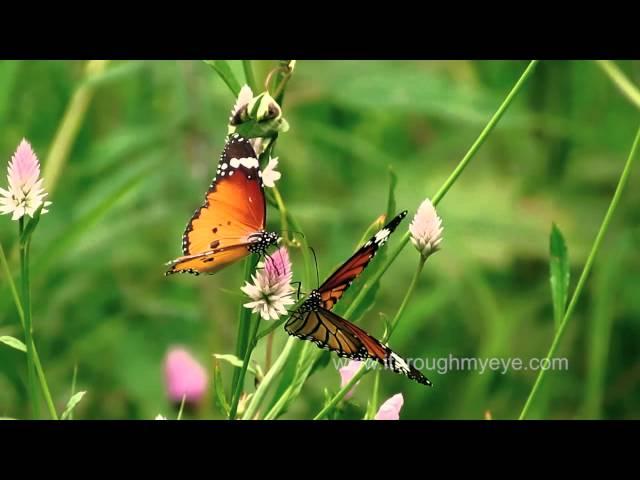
347	373
271	289
390	410
426	229
184	376
25	193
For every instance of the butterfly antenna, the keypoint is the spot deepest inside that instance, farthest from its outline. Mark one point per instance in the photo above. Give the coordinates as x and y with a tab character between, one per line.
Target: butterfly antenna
315	259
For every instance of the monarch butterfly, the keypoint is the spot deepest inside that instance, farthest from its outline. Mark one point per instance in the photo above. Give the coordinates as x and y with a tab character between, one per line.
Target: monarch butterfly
230	224
314	320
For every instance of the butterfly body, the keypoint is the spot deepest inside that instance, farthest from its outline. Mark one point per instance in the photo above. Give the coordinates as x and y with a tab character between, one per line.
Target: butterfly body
231	223
314	321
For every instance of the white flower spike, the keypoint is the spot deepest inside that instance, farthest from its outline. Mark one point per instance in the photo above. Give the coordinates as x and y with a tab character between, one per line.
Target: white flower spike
426	229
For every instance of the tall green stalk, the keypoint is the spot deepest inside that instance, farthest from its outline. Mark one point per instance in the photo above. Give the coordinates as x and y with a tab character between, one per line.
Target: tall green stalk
448	182
28	329
622	182
254	323
40	372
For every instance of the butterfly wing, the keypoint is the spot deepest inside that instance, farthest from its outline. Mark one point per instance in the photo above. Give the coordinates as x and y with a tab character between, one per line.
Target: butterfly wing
329	331
220	231
335	286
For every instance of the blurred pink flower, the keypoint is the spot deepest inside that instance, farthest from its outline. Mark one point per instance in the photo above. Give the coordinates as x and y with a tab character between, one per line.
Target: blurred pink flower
25	193
184	376
390	410
347	373
271	290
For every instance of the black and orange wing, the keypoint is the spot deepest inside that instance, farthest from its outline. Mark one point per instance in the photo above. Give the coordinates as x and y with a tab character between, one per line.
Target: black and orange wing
334	287
219	233
331	332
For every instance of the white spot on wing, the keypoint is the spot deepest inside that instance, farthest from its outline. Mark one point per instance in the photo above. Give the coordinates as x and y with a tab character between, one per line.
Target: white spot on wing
382	235
245	162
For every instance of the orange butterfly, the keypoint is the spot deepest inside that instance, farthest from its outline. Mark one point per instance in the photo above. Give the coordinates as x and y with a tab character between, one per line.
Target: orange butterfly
230	225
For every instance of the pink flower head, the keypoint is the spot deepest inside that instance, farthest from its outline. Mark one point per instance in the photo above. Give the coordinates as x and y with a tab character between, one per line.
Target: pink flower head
184	376
24	168
390	410
278	265
271	289
25	194
347	373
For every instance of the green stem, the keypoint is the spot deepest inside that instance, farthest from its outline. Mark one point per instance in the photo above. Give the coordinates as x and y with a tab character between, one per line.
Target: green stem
284	225
375	395
364	370
274	371
448	182
39	370
250	78
342	392
245	364
28	329
405	301
279	405
586	270
244	317
621	81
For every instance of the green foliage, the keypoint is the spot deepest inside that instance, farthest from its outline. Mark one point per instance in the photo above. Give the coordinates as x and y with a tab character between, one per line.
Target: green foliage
147	149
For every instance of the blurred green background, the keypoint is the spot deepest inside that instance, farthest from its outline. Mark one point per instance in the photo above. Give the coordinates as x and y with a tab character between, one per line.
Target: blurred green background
146	151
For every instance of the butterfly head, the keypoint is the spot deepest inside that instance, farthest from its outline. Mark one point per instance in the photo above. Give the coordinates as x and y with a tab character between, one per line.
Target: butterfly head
312	303
261	241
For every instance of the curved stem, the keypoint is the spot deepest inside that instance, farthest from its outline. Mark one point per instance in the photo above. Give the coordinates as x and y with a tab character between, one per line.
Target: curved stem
585	271
448	182
274	371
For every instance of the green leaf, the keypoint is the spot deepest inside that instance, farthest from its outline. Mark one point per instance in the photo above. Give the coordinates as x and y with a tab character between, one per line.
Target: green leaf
234	361
32	224
223	69
559	273
220	397
13	343
73	401
391	201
